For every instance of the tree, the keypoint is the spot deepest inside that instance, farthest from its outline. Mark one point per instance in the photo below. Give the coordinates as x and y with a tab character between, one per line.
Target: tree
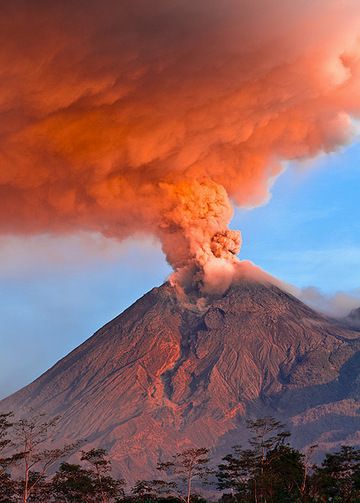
73	484
5	441
30	437
270	471
41	488
144	490
338	477
235	472
267	435
188	464
107	487
7	489
283	475
308	466
152	490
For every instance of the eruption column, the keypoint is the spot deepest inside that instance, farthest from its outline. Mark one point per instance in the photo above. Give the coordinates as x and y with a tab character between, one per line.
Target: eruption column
149	117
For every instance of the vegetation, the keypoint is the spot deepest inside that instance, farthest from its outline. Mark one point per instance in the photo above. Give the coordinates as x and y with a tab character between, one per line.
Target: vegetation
267	470
188	465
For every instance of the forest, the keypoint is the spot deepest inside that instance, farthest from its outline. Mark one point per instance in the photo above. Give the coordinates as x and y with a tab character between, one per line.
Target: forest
267	469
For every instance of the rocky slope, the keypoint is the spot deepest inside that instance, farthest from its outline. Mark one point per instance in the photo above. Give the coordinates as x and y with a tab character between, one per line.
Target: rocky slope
165	375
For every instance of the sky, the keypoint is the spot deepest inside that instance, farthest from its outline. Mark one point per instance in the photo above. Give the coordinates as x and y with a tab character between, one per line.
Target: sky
55	292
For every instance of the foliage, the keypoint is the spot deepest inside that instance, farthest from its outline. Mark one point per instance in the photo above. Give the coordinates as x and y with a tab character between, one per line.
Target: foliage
30	436
73	484
267	470
41	489
148	491
270	471
187	465
103	484
5	441
7	489
338	478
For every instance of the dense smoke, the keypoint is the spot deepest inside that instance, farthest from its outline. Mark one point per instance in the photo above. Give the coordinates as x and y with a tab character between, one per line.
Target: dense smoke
338	305
132	116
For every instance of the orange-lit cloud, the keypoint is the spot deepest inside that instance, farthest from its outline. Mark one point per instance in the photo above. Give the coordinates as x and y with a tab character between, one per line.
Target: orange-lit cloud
133	116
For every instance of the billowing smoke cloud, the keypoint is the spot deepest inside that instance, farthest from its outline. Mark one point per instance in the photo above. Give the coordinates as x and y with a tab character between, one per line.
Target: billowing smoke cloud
338	305
132	116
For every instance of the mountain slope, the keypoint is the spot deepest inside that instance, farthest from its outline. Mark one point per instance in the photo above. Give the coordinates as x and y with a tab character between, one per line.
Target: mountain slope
167	374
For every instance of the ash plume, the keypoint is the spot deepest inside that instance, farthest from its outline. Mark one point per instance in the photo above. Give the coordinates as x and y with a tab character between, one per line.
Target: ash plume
156	117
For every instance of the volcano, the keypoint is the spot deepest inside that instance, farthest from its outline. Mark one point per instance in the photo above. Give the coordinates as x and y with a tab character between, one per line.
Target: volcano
172	372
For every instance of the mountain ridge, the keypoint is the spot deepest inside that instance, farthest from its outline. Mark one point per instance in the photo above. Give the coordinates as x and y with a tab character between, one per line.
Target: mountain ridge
166	374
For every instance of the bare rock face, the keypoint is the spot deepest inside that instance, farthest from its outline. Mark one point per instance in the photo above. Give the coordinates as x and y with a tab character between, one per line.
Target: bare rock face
166	375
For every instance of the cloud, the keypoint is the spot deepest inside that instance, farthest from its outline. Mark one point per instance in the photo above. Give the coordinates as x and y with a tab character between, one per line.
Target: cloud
154	117
41	255
337	305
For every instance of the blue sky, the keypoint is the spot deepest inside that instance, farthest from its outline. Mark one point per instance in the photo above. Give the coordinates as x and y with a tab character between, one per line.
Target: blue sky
309	232
54	293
